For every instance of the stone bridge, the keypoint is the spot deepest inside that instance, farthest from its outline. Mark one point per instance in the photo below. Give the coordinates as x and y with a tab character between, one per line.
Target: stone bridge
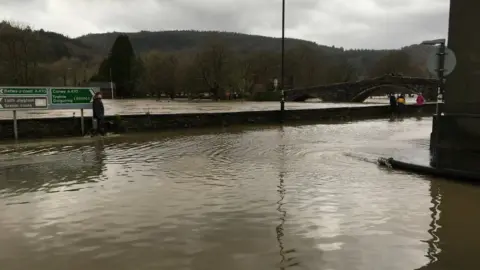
359	91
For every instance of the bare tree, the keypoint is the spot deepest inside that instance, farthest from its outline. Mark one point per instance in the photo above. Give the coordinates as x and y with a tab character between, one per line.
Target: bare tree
160	73
242	76
20	52
213	67
188	78
265	66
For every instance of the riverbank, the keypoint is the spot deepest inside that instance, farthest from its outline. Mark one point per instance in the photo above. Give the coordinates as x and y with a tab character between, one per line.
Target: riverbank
72	126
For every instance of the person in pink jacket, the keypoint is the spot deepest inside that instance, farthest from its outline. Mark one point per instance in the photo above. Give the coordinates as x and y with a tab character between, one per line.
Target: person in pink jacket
420	102
420	99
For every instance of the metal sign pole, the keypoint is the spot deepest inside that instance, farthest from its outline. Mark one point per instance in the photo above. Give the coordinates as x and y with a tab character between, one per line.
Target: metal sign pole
440	90
111	82
15	125
82	121
442	63
282	79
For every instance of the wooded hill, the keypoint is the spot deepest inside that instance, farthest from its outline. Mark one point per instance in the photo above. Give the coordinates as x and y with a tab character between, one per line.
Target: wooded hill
34	57
174	41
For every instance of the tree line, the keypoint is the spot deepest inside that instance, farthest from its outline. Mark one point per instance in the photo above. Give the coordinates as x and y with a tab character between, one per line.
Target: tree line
214	68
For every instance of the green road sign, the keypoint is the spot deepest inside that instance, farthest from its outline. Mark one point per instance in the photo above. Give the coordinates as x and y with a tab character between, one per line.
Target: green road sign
23	91
58	98
23	102
72	95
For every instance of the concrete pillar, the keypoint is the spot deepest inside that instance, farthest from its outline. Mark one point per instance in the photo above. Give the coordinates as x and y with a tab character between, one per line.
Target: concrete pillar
459	146
463	85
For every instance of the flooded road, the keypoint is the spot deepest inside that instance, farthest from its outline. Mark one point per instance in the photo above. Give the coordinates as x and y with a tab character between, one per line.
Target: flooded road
304	197
143	106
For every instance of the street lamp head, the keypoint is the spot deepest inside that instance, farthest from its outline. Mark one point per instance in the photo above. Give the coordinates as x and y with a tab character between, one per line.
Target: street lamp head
434	42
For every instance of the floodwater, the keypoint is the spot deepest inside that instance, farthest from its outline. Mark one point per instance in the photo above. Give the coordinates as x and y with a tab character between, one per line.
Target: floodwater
297	197
143	106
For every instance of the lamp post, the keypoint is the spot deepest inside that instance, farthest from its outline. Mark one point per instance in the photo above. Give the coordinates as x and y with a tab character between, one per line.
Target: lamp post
282	75
75	82
440	90
111	82
65	76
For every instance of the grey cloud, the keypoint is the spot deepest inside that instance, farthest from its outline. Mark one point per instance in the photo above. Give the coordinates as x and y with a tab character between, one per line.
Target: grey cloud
382	26
19	5
347	23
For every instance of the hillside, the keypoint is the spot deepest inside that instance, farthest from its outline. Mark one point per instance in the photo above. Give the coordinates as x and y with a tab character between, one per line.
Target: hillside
171	41
57	46
46	57
174	41
60	46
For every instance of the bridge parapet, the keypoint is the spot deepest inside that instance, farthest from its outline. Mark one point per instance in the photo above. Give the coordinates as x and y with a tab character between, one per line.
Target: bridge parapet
360	90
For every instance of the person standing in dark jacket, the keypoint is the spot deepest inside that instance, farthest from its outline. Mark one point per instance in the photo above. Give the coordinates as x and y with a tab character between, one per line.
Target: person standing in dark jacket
98	114
393	105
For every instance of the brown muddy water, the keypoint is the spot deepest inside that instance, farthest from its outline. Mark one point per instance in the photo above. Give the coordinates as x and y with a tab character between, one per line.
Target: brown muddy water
293	197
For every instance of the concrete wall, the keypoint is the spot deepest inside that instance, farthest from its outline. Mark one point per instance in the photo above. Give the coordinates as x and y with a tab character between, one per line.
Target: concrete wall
458	147
64	127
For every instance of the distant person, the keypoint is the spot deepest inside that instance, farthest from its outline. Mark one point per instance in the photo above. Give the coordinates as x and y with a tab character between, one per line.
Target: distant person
401	105
98	114
393	105
420	102
420	99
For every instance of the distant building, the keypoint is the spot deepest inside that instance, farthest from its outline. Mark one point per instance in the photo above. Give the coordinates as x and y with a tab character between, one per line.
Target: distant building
105	88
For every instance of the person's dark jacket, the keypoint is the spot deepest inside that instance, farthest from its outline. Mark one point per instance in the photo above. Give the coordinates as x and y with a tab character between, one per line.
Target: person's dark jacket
393	101
98	109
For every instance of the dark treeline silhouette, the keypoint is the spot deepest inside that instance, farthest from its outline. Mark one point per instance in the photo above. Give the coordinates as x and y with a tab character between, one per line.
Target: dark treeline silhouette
190	62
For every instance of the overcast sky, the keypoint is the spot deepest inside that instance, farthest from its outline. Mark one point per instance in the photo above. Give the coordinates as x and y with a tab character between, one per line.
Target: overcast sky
343	23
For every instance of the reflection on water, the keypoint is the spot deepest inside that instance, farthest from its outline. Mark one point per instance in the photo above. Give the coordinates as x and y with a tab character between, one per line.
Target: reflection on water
286	260
454	241
433	249
49	169
143	106
308	197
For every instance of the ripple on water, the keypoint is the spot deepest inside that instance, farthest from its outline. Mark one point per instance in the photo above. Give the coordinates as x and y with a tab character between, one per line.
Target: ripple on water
308	196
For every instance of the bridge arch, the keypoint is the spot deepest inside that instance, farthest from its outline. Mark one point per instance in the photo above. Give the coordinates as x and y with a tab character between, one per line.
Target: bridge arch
385	89
360	90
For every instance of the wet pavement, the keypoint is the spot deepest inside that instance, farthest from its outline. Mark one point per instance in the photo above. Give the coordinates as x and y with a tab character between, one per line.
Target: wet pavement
293	197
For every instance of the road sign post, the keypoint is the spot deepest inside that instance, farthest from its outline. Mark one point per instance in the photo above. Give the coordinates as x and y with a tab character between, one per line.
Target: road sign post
45	98
72	98
15	125
82	121
22	98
